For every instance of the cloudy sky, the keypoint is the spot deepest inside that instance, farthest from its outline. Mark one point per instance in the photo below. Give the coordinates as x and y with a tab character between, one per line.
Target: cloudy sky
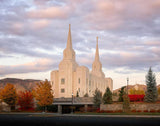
33	34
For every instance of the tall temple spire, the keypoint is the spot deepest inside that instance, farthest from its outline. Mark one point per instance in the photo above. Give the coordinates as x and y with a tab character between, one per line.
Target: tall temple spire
69	41
97	52
69	53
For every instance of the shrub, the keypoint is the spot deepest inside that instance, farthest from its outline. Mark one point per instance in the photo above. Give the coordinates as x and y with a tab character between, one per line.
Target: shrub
139	110
133	110
50	108
145	111
152	110
118	111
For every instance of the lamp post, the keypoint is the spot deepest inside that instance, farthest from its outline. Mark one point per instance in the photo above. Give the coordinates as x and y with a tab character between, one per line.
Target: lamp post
127	84
72	104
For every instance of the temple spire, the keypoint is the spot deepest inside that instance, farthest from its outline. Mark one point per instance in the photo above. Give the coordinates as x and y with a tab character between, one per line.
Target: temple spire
69	41
97	66
97	52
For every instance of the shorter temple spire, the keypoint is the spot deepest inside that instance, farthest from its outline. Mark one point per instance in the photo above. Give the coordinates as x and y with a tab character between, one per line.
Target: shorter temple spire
97	52
69	41
97	66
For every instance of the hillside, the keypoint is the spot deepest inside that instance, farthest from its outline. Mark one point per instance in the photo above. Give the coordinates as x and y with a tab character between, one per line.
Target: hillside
20	84
136	86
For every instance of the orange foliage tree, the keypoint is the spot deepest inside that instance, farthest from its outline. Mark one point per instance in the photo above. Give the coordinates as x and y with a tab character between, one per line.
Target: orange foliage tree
43	93
25	100
8	95
159	91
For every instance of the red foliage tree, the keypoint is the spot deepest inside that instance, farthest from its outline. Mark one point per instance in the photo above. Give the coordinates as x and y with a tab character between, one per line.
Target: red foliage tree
134	98
25	100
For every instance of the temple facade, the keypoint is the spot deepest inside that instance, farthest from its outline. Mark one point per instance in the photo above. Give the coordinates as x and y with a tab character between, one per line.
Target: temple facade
72	78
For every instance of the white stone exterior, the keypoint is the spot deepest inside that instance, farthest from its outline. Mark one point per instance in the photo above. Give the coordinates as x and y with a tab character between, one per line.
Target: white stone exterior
71	77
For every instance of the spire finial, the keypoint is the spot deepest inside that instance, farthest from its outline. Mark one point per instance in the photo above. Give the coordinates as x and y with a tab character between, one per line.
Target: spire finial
97	51
69	41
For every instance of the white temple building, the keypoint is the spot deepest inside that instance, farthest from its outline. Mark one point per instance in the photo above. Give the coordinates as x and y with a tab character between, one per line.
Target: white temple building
71	77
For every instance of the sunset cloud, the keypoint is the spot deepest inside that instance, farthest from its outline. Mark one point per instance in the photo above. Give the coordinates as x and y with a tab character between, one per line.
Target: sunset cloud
51	12
40	24
128	34
40	65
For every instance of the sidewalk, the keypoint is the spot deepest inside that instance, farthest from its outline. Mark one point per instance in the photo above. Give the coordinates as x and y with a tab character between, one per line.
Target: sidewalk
88	115
128	116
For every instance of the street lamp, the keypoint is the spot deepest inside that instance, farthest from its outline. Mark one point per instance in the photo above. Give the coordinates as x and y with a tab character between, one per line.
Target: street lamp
72	104
127	84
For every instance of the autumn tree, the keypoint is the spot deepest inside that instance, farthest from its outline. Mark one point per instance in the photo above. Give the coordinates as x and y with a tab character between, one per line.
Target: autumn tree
151	94
8	95
97	97
159	91
133	91
43	94
25	100
0	100
107	97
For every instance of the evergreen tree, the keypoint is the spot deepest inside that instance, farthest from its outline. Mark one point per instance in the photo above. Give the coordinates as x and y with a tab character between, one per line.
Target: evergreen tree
97	98
107	97
151	94
126	103
77	95
86	95
121	93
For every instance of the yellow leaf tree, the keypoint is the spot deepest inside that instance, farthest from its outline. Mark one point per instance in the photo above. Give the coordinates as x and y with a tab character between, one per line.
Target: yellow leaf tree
159	91
43	93
133	91
8	95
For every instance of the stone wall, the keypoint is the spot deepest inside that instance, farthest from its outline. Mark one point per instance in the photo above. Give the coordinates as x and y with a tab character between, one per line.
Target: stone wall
135	107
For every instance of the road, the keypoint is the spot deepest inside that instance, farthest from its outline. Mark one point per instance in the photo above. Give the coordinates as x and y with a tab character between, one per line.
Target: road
66	120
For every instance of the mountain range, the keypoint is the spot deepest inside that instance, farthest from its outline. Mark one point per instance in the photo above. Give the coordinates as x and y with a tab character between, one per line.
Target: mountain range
20	84
28	84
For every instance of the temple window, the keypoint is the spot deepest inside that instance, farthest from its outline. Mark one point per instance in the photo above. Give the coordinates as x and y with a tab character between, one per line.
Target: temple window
62	81
62	90
79	81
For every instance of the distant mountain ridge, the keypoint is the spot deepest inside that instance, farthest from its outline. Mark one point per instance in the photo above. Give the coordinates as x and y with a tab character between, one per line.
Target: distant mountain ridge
20	84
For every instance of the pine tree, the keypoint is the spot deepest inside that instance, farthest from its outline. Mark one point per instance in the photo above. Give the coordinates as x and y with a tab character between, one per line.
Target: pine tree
97	98
77	95
107	97
86	95
121	93
151	94
126	103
